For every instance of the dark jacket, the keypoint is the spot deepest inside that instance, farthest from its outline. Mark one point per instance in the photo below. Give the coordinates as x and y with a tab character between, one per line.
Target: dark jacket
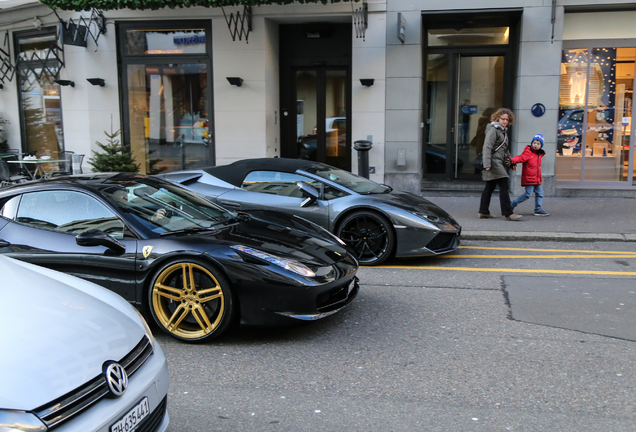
496	151
531	160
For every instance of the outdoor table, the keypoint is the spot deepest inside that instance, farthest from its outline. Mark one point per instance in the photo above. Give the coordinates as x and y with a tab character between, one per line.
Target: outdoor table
38	170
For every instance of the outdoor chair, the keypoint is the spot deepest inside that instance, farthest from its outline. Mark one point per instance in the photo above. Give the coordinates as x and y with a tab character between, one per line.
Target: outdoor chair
77	163
65	167
5	175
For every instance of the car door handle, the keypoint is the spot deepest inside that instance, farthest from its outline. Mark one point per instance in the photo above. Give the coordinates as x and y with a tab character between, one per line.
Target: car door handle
231	204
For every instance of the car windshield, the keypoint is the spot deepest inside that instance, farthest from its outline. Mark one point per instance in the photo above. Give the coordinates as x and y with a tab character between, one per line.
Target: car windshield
344	178
164	208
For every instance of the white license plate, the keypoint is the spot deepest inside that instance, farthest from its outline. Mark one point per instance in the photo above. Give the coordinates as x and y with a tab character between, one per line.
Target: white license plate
131	420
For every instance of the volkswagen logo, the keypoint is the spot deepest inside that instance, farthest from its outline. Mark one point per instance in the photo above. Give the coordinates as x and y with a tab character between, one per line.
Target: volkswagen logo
116	378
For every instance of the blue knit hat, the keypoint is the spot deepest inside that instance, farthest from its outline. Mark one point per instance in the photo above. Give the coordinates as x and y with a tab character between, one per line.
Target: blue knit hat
538	137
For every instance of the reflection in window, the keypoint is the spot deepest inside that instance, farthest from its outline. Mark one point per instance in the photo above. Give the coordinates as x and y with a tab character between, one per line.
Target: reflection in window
190	41
276	183
468	36
40	106
168	116
67	211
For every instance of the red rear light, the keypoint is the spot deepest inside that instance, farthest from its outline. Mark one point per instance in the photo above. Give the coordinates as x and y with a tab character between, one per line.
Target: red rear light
315	130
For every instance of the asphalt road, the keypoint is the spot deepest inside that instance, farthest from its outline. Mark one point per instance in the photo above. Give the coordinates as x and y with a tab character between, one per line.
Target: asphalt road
499	337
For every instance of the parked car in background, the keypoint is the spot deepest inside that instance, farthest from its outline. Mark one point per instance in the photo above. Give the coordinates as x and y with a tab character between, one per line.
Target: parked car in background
75	357
192	266
374	220
601	122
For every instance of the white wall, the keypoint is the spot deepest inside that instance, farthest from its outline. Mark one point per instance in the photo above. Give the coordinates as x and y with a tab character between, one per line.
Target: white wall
599	25
368	103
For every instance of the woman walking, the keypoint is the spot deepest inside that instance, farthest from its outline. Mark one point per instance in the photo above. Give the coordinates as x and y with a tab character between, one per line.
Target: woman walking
496	156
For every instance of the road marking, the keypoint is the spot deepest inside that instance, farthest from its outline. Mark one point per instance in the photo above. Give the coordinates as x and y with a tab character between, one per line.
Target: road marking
503	270
549	250
537	256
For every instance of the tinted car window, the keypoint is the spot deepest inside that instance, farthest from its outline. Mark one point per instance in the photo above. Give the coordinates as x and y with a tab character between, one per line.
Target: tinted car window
348	180
276	183
67	211
163	208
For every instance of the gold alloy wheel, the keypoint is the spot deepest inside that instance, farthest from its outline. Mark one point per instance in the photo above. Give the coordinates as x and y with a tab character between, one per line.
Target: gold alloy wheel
188	301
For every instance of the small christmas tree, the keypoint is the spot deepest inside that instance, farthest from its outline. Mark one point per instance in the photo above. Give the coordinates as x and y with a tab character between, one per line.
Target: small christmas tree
116	157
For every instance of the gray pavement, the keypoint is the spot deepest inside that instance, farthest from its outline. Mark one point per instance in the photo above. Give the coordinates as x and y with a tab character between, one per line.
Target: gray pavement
570	220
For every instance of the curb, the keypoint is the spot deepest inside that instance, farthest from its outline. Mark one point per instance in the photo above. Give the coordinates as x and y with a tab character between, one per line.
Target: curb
546	236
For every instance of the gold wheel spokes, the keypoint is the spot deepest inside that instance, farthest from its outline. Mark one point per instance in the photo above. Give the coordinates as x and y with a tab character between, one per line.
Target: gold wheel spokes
209	294
181	304
202	318
172	293
179	314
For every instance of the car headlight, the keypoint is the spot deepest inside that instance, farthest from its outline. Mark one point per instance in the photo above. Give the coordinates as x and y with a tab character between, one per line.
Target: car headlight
151	338
20	421
287	264
429	217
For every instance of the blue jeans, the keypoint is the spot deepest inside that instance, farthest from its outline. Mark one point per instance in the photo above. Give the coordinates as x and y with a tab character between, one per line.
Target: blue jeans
538	197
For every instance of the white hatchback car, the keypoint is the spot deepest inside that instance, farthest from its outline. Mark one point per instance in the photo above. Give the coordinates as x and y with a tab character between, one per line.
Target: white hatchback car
75	357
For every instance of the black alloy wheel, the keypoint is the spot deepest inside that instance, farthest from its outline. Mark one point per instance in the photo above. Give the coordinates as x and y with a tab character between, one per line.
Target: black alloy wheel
191	301
369	235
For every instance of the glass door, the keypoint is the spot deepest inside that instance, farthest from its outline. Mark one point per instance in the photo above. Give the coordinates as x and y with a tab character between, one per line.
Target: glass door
479	92
462	93
321	122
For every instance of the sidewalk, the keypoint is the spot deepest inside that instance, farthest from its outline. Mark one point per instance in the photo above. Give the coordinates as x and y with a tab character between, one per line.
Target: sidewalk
570	220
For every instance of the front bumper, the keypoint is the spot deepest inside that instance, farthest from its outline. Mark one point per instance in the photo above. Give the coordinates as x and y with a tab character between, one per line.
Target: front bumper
412	242
281	301
151	380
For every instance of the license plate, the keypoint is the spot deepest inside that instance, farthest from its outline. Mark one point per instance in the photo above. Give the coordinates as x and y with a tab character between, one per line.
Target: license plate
131	420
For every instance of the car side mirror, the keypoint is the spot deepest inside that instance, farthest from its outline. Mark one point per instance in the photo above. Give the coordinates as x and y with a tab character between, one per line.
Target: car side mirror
308	191
96	237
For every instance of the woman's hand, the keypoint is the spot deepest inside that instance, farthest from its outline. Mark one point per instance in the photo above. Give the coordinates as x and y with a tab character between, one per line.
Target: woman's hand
487	169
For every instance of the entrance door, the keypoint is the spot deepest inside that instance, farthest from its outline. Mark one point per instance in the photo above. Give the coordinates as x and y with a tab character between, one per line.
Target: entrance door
463	90
315	92
321	117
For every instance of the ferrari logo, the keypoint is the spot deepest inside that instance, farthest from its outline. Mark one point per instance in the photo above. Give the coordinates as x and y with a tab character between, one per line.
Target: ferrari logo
146	251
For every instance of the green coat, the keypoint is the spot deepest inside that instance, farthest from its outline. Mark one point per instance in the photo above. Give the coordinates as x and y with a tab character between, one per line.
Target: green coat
495	135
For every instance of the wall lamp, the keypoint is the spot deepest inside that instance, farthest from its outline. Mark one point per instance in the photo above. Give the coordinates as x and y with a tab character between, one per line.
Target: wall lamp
65	82
367	82
235	81
97	81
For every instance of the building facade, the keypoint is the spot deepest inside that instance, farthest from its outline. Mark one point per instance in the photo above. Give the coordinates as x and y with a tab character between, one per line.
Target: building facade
193	87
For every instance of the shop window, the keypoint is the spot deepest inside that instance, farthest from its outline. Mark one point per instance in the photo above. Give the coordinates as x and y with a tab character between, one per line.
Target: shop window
167	95
38	67
595	111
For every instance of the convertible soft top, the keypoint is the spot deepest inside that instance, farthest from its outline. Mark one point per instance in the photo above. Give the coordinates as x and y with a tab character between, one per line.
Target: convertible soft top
235	172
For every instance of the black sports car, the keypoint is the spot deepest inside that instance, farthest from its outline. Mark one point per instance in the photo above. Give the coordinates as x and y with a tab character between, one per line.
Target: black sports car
193	266
373	219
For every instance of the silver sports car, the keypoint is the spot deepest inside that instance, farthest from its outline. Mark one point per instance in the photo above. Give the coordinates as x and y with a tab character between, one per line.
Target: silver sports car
374	220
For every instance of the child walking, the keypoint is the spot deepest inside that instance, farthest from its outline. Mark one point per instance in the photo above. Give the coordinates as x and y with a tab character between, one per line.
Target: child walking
531	174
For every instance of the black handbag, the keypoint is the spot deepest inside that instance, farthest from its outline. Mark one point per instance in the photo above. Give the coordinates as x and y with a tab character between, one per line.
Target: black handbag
478	163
